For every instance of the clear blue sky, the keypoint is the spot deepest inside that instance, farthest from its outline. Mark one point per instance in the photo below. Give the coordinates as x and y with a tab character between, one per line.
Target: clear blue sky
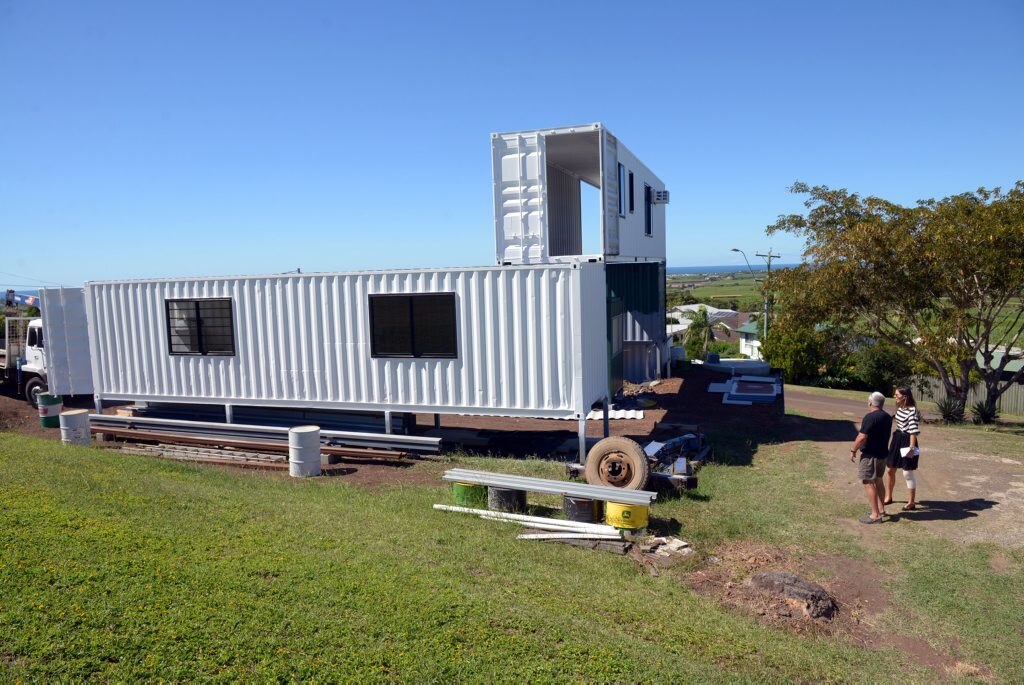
144	139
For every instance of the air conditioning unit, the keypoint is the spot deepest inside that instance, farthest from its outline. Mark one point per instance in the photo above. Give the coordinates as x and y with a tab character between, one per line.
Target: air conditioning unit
659	197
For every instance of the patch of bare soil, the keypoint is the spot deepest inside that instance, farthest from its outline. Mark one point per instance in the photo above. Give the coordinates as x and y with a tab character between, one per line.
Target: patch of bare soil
18	416
856	587
677	402
1002	564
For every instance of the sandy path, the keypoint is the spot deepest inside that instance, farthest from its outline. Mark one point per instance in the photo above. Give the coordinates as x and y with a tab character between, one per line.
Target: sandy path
967	496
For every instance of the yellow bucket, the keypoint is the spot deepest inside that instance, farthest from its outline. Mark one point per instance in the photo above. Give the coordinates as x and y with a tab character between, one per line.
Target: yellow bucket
629	516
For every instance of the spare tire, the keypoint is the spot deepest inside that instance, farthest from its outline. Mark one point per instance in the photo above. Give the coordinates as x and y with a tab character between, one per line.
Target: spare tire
618	462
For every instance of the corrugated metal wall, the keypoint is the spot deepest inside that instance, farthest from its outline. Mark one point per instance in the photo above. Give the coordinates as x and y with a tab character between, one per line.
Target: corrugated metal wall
642	289
595	332
304	340
565	222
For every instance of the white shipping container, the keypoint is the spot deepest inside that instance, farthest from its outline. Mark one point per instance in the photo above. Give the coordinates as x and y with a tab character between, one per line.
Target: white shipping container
530	341
537	210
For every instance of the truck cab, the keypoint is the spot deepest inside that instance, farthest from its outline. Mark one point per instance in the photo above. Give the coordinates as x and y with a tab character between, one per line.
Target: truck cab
33	369
23	356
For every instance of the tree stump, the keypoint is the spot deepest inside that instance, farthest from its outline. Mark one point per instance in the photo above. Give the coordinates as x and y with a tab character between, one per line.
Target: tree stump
809	597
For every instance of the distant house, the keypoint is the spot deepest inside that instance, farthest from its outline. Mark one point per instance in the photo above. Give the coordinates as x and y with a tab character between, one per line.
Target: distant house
714	313
728	318
1012	366
750	339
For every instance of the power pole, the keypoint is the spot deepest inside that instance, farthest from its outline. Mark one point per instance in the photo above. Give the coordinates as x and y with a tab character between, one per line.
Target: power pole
768	259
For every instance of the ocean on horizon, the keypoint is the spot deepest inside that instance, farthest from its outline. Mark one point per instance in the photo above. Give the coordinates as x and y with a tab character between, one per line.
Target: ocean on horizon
721	269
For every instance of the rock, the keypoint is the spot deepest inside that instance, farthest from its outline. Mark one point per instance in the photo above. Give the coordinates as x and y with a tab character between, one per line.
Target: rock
810	597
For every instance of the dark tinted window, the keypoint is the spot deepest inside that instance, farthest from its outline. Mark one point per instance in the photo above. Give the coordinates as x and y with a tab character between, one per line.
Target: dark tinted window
200	327
648	211
413	325
391	330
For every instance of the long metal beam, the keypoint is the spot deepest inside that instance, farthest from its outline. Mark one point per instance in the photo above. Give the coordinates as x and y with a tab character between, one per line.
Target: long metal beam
275	446
550	487
403	443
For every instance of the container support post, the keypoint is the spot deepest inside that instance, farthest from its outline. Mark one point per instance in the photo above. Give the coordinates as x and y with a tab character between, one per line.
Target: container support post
387	421
583	438
229	413
604	416
437	420
98	403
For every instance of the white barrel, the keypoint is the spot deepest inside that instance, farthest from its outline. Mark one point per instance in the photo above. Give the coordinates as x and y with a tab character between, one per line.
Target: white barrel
74	427
304	451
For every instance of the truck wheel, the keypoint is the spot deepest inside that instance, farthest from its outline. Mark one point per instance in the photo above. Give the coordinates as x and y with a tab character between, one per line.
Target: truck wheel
33	389
618	462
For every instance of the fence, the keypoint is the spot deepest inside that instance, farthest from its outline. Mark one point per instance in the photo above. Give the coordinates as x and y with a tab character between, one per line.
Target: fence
929	388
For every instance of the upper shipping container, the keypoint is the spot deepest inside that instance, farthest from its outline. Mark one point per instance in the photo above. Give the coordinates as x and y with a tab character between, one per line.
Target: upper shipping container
538	215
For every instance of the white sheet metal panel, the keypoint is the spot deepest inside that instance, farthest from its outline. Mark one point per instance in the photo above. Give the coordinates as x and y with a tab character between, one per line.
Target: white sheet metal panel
304	340
644	326
66	340
610	193
594	310
519	203
632	238
639	361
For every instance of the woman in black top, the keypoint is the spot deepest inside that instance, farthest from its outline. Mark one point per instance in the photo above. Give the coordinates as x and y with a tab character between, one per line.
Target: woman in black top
908	428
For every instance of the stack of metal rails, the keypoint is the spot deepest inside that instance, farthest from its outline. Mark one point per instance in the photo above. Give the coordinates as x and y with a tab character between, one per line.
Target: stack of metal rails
363	422
237	443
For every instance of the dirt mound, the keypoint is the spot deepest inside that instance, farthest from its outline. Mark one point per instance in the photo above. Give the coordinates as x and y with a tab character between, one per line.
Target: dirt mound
856	586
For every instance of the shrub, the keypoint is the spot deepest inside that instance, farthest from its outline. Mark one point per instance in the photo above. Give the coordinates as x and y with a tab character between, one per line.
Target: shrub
725	350
982	412
950	409
881	366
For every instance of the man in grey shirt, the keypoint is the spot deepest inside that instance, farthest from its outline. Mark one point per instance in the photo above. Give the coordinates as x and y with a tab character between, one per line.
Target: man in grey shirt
873	442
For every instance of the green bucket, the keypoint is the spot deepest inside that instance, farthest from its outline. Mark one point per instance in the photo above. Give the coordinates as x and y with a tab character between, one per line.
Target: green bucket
49	409
469	495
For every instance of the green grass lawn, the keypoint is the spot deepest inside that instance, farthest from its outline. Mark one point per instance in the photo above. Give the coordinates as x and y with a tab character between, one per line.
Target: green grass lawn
120	568
741	285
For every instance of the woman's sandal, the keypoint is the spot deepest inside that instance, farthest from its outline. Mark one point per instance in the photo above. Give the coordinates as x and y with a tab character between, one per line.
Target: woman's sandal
887	502
909	507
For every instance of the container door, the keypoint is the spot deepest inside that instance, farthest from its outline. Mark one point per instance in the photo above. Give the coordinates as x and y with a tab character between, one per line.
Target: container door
520	225
610	193
66	332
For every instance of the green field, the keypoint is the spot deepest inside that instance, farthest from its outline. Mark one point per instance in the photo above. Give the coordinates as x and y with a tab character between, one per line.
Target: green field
740	288
124	568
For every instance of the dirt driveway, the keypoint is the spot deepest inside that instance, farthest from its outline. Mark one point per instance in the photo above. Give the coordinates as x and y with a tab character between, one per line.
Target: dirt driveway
969	494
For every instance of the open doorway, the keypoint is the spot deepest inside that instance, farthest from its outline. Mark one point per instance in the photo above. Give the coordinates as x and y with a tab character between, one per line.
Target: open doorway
573	193
590	209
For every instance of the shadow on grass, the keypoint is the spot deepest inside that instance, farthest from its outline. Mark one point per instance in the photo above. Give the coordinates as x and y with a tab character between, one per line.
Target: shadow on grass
664	527
736	443
935	510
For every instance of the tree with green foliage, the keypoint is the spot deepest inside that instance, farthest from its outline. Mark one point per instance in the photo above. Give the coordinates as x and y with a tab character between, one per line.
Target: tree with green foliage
805	352
881	366
700	333
942	280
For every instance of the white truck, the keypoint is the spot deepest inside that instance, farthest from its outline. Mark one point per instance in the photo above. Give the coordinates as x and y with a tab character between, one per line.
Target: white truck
23	342
60	362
